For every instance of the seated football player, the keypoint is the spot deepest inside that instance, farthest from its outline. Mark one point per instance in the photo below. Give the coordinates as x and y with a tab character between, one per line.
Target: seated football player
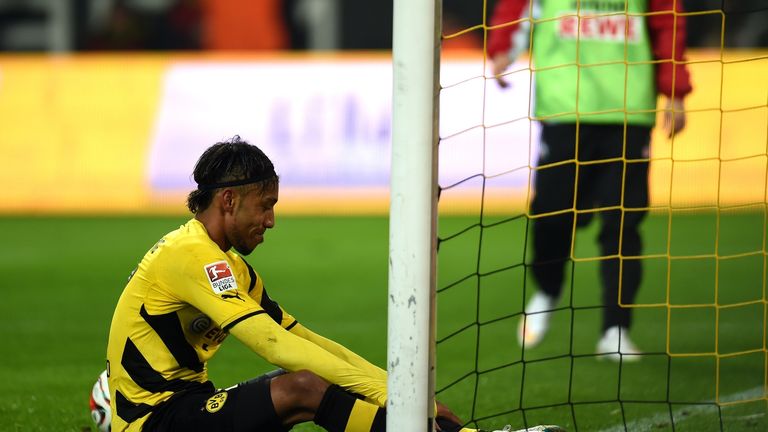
193	289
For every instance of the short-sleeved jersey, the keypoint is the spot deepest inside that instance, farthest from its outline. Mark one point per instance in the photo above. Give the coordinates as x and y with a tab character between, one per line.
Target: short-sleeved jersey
172	317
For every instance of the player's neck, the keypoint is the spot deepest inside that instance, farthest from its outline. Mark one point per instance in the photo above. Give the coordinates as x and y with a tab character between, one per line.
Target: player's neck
213	222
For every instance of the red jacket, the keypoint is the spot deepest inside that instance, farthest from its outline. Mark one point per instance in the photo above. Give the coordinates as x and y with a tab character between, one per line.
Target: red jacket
667	31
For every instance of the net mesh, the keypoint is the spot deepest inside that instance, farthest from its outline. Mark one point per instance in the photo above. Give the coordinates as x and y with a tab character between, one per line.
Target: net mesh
701	311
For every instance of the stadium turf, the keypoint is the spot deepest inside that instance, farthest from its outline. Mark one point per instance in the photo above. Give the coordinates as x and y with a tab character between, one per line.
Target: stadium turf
61	277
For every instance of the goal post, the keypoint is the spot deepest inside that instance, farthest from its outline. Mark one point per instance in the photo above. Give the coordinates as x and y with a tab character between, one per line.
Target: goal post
413	215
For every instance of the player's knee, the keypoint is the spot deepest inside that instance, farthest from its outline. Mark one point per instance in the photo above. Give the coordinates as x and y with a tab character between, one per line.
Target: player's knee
303	388
307	381
296	396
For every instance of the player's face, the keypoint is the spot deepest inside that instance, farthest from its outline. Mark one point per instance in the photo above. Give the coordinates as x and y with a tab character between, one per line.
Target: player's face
253	214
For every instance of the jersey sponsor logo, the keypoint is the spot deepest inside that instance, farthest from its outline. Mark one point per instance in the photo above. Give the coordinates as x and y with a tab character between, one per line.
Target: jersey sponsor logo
220	277
200	324
606	28
216	402
216	335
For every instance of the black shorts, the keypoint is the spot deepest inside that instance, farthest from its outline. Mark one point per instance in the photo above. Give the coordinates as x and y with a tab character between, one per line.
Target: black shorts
244	407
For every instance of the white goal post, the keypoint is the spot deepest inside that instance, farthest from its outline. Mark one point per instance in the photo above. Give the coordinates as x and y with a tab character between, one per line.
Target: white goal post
413	212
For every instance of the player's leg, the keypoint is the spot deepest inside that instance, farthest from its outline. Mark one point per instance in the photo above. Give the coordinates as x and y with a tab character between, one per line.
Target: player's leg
303	396
552	226
585	189
296	401
274	403
244	407
270	403
620	232
553	192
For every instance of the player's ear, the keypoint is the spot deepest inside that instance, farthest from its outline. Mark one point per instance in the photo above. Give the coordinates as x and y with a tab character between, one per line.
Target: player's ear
228	199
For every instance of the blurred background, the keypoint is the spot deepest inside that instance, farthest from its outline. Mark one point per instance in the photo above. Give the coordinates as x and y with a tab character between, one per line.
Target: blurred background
118	25
106	103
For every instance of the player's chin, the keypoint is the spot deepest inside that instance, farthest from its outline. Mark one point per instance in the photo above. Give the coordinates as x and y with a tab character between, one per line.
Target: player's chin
246	249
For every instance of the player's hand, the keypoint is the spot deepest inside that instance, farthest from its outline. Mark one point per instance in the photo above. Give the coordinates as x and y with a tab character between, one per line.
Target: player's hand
674	117
443	411
499	63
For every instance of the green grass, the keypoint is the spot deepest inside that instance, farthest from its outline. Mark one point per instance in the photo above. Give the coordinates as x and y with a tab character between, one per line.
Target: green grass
62	276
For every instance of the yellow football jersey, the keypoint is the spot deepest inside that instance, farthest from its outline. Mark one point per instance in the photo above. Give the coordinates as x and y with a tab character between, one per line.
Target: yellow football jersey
178	307
172	317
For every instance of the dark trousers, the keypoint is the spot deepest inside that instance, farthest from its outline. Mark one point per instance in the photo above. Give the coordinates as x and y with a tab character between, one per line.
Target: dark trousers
608	158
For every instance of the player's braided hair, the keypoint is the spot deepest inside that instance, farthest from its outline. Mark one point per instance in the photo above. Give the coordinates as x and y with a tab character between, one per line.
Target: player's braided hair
234	162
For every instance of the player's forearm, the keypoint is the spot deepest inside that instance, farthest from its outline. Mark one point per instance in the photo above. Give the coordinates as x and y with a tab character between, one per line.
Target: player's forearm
291	352
340	351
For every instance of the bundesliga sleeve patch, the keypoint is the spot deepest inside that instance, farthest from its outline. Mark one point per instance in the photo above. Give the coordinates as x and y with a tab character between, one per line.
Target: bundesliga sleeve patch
220	277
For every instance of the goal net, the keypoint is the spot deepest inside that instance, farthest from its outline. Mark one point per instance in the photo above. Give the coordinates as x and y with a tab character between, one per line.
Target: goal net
699	317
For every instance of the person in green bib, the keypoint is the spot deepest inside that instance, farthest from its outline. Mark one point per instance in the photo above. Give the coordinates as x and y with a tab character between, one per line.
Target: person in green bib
598	68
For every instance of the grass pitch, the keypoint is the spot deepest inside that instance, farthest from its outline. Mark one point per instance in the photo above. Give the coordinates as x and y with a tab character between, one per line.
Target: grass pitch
702	318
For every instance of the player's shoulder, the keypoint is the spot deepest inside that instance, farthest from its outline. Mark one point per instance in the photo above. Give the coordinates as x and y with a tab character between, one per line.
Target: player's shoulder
191	240
189	250
185	248
191	232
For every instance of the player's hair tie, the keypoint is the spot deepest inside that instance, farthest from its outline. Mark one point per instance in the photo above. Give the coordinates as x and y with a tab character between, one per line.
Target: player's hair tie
266	175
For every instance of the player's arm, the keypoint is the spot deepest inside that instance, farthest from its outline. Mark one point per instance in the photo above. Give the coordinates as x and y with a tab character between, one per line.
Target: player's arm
291	352
668	35
340	351
505	43
233	309
288	322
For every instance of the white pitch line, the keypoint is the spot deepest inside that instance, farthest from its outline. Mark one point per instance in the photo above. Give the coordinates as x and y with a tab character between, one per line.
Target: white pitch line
691	410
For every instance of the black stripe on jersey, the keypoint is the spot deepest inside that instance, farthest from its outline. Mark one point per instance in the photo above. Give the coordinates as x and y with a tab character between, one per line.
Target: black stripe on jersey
272	308
128	411
379	420
252	274
232	324
269	305
142	373
292	325
168	327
